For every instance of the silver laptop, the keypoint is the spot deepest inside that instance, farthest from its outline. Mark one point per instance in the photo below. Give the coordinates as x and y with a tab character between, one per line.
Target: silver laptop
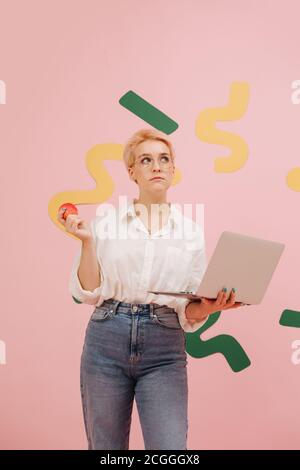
240	261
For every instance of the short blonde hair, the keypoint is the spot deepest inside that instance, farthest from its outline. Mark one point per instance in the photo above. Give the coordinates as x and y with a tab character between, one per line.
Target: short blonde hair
139	137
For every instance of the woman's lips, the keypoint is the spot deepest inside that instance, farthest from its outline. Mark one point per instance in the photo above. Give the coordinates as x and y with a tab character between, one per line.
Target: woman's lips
157	178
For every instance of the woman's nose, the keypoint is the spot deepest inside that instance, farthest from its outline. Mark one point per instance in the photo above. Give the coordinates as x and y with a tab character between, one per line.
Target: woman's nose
156	166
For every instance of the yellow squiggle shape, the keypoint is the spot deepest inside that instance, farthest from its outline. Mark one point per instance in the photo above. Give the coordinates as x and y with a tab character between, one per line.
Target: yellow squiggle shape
206	128
293	179
95	159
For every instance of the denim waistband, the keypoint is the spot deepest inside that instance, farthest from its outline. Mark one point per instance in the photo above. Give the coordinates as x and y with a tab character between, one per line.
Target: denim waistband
117	304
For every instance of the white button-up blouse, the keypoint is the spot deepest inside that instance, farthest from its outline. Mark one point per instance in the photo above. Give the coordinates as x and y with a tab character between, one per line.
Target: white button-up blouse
132	261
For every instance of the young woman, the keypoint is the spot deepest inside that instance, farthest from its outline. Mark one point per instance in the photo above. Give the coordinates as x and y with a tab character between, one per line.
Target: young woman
135	341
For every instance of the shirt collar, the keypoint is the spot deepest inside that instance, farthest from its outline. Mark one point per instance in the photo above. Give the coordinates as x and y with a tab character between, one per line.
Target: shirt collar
127	210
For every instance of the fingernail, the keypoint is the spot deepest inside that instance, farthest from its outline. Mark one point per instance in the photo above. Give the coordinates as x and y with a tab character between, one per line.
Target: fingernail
234	290
224	289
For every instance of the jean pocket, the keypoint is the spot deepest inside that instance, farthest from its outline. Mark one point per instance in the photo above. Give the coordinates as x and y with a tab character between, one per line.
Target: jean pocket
167	318
102	313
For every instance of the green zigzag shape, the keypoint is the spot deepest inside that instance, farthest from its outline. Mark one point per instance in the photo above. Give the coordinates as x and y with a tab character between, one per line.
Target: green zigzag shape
225	344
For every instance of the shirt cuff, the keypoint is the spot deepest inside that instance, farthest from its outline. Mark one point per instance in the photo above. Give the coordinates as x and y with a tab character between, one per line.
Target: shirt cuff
76	289
189	326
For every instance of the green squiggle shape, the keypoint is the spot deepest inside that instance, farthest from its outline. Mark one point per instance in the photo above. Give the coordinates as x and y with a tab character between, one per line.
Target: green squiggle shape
225	344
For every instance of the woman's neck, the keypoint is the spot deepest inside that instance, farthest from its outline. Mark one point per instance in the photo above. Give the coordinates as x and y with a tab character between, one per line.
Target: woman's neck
148	199
160	219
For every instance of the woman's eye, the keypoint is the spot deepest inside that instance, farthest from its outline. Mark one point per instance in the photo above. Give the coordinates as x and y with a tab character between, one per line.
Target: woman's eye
166	159
146	160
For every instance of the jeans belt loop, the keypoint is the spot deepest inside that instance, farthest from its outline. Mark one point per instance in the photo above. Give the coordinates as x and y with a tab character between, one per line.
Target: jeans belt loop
116	305
151	310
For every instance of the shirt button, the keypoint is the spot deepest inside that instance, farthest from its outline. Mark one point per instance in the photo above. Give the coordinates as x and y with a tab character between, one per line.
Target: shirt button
134	308
111	311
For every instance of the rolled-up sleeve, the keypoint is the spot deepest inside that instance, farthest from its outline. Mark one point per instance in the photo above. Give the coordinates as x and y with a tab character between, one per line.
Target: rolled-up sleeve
75	287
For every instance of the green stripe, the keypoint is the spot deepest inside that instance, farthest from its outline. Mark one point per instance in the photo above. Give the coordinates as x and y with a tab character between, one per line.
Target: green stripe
290	318
137	105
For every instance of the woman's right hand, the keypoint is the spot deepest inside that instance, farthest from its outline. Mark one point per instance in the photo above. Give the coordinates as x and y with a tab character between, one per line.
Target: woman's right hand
76	226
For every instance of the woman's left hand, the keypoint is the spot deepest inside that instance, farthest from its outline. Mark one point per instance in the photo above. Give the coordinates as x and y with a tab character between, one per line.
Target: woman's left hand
199	311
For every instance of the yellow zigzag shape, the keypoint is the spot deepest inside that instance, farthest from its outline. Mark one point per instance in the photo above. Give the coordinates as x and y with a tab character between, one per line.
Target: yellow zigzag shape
206	128
95	159
293	179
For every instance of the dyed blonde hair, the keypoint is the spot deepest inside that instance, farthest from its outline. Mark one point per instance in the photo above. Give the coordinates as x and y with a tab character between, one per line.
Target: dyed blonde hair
139	137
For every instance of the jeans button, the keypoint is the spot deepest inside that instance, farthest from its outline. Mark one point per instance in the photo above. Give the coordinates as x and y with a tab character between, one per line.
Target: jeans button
135	308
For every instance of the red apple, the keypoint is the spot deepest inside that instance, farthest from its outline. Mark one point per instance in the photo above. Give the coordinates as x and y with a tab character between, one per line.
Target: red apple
68	208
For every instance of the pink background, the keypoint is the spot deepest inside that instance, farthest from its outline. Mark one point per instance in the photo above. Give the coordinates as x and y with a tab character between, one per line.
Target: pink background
66	63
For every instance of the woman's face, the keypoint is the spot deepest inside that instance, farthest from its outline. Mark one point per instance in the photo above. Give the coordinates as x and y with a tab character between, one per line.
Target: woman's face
153	168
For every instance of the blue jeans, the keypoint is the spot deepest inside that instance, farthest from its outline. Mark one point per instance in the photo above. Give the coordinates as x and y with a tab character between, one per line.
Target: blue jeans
134	350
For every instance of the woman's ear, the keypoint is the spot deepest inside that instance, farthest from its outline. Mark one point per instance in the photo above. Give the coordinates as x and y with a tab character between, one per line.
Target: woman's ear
130	172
